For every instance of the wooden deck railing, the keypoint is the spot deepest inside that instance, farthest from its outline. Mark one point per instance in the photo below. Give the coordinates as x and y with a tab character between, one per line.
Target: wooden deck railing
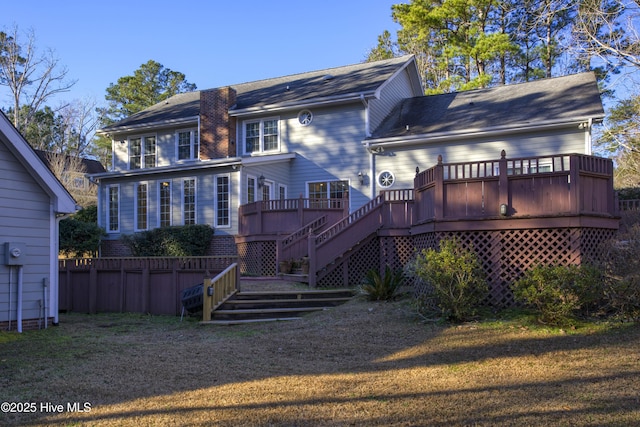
217	290
287	215
568	184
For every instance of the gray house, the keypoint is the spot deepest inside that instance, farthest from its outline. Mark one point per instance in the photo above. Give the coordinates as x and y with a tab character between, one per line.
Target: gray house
32	201
342	133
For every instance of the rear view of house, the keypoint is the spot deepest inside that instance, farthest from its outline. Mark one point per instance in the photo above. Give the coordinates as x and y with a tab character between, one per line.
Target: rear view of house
32	201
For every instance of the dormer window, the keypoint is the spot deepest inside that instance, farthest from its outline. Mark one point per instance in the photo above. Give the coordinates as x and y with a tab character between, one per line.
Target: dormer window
142	152
261	136
187	144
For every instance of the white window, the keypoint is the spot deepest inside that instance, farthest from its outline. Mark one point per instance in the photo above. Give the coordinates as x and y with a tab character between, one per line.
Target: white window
261	136
164	200
187	144
142	206
251	189
222	201
282	191
189	201
319	191
113	208
142	152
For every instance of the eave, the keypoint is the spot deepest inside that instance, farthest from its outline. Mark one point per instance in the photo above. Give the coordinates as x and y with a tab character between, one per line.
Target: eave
315	102
182	167
413	139
148	126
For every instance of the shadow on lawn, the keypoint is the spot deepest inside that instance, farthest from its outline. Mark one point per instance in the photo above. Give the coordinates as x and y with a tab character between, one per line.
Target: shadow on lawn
235	357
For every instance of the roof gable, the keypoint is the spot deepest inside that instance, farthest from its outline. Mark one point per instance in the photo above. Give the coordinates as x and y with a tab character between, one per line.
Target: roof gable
19	147
561	99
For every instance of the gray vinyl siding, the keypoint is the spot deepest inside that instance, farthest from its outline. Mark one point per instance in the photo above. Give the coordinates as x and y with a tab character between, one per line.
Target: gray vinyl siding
205	204
166	148
402	162
393	92
329	149
25	217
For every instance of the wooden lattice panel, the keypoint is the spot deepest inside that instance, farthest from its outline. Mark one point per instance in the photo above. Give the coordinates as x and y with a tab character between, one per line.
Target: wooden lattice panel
257	258
591	241
396	252
505	255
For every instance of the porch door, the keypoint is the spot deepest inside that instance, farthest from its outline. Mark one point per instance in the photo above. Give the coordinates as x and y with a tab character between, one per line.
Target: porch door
267	191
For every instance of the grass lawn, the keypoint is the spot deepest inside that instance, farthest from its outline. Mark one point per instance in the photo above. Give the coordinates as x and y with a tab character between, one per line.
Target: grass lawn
362	364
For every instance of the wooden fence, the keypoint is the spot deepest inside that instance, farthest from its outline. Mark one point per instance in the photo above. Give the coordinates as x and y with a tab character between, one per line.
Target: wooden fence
134	285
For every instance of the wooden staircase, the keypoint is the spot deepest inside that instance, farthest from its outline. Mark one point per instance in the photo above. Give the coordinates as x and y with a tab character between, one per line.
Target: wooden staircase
269	306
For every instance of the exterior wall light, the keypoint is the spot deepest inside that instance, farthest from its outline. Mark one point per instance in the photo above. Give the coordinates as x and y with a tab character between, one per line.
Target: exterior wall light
261	181
503	209
361	177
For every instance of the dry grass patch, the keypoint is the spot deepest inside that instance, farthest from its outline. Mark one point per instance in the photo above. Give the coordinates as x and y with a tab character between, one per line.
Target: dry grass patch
363	363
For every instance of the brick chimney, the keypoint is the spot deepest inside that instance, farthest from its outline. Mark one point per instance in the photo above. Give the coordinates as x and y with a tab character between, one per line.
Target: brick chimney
217	129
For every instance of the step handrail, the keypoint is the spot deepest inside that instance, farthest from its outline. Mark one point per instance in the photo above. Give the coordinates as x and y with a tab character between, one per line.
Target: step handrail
219	289
341	225
303	231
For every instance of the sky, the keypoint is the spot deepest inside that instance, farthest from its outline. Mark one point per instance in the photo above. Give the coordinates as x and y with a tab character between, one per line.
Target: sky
213	43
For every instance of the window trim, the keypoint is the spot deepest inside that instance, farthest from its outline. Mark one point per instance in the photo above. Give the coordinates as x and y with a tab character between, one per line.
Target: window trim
194	144
195	199
261	136
142	151
253	187
216	219
135	206
160	203
108	210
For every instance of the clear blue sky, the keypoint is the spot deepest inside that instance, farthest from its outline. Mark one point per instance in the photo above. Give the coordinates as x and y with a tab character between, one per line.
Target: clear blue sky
214	43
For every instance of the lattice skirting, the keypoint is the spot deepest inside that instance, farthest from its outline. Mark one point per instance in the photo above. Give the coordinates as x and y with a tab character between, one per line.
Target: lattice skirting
257	258
506	254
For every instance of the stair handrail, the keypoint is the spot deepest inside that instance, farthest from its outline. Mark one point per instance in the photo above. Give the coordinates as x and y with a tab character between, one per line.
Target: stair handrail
219	289
341	225
303	231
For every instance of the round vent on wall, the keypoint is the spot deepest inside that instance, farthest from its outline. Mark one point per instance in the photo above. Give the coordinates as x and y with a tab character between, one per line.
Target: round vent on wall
305	117
386	179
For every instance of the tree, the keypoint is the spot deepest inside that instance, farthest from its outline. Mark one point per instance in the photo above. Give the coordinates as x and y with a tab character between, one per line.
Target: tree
606	35
31	78
80	234
149	84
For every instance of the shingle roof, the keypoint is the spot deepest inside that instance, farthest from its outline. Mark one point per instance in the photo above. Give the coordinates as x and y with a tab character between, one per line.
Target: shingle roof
555	99
287	90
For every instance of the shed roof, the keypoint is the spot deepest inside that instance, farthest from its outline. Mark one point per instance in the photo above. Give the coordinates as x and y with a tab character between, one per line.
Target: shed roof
569	98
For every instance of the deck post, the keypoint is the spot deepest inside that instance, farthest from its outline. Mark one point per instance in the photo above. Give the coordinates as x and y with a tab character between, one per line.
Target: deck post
438	197
206	300
313	261
503	183
574	190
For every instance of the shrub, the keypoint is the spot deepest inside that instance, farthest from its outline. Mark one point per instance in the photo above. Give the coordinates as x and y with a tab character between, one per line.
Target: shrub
382	288
559	293
621	270
456	276
187	240
80	234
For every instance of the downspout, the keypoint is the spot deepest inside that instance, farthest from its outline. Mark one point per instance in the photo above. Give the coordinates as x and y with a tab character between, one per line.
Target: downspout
10	292
44	301
19	306
372	160
587	137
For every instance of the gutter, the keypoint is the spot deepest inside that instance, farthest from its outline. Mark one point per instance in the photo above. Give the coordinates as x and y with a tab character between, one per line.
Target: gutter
402	140
147	125
316	102
232	161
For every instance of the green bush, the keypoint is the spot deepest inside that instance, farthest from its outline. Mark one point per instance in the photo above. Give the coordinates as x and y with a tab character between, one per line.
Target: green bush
382	288
621	270
456	277
559	293
187	240
80	234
